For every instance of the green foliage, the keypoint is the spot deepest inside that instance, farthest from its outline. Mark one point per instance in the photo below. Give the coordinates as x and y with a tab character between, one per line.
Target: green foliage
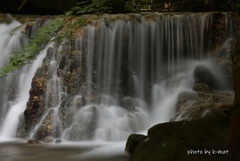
55	31
29	51
130	8
144	3
98	6
59	29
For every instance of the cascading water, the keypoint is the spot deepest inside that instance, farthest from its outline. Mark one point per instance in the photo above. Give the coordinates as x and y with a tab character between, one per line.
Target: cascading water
15	87
123	74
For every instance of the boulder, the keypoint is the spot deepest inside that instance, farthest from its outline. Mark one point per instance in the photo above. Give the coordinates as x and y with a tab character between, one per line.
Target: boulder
133	141
186	141
58	141
33	142
203	75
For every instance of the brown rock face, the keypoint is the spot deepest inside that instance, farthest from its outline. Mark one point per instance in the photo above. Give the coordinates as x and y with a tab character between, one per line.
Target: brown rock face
35	105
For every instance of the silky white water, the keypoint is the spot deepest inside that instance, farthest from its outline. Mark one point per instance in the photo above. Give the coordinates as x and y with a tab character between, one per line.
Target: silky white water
135	67
12	107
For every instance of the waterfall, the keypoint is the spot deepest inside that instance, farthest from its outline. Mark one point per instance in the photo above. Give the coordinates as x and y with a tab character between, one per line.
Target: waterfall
121	75
15	87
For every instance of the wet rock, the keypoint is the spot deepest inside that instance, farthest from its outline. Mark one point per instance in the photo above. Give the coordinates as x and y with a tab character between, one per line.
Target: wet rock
83	125
58	141
33	142
133	141
174	140
200	87
203	75
194	105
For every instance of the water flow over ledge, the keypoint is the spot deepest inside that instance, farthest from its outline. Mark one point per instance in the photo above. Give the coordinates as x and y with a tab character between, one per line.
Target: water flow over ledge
121	77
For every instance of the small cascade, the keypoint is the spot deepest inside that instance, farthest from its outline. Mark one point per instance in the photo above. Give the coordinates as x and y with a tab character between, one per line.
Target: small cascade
53	97
121	75
15	87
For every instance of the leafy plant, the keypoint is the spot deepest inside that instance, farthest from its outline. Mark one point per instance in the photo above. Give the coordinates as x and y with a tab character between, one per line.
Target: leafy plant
29	51
58	29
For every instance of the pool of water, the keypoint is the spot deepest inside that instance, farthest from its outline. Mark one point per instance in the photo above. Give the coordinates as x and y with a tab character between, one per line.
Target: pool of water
83	151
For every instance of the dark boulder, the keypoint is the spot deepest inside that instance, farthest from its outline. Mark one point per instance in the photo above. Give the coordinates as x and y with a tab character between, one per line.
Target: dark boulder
203	75
186	141
133	141
58	141
33	142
